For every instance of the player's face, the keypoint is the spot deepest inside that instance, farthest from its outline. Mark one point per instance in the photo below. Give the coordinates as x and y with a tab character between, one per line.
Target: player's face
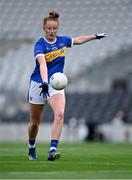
51	28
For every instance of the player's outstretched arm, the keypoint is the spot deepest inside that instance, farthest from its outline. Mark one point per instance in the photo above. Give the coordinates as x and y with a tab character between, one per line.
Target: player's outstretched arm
83	39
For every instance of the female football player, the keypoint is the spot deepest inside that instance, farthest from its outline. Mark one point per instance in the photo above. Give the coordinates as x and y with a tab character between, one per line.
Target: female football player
49	52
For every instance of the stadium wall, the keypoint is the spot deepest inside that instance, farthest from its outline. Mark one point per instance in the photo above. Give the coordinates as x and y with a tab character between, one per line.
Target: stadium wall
18	132
71	133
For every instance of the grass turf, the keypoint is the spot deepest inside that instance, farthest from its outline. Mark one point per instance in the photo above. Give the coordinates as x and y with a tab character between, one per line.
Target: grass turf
78	161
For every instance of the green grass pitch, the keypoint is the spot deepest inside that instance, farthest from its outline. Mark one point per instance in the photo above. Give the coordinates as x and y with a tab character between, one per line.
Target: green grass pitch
78	161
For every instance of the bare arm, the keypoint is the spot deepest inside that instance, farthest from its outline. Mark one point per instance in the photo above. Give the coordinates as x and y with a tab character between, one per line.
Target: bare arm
43	68
83	39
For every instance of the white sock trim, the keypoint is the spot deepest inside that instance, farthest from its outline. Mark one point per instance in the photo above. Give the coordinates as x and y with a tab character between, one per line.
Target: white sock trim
52	148
31	146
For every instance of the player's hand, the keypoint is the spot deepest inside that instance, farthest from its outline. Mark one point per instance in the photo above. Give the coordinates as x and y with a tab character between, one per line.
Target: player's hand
99	36
44	90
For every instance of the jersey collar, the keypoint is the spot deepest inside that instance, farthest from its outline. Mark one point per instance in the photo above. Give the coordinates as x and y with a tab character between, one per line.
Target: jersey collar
49	41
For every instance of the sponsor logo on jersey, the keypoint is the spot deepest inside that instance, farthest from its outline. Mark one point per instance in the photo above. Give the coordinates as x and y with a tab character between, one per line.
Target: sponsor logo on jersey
55	54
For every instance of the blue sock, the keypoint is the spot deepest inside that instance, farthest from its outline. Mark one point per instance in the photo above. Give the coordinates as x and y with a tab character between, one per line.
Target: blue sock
31	143
54	144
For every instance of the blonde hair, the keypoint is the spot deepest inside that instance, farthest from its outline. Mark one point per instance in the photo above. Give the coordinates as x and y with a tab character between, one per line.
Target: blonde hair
53	15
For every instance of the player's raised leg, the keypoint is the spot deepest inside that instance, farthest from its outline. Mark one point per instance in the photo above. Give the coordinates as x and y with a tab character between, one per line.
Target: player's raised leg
35	117
57	103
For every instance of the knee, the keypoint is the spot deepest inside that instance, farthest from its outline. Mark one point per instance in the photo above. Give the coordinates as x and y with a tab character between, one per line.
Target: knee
34	125
60	115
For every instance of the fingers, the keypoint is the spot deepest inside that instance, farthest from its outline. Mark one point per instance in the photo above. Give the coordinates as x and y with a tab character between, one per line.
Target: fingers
104	34
101	35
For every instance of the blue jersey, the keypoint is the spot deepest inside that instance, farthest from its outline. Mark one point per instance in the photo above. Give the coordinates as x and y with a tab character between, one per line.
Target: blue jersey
54	54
